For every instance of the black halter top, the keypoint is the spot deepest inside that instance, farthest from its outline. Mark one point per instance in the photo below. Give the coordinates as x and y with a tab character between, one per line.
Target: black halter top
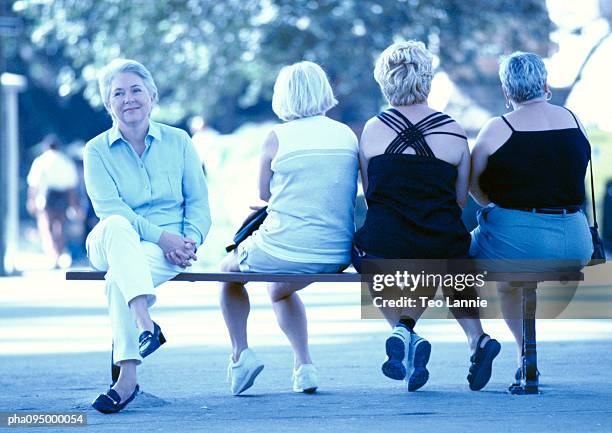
412	203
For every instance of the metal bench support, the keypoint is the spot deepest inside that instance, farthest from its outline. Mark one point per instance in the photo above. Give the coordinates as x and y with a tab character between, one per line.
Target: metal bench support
529	365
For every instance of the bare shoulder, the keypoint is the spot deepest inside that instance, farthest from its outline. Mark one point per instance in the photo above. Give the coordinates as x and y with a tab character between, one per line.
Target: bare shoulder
575	119
496	128
492	135
374	138
494	125
372	128
372	125
454	127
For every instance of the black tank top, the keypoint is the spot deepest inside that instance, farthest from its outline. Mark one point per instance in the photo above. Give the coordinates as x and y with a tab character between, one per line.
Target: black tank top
538	169
412	202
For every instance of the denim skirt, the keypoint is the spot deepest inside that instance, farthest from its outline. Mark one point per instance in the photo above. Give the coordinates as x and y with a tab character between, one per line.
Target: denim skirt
539	242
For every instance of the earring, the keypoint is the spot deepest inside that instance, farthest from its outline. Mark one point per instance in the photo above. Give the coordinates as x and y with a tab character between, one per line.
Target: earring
508	104
548	95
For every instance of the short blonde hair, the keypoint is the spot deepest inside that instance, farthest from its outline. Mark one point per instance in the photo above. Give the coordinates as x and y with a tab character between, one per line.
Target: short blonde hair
404	73
302	90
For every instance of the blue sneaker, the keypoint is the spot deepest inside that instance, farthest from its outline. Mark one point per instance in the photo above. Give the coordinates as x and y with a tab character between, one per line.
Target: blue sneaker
397	347
420	350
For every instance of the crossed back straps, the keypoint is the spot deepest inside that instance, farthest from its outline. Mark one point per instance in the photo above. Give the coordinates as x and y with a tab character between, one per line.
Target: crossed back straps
413	135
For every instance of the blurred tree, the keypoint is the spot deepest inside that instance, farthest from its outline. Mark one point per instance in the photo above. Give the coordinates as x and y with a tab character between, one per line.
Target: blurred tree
217	58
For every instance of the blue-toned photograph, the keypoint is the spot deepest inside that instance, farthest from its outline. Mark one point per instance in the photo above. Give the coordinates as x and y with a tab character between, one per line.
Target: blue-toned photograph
305	215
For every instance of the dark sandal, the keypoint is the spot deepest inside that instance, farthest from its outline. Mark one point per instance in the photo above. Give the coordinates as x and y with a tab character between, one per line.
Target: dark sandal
110	402
482	363
149	342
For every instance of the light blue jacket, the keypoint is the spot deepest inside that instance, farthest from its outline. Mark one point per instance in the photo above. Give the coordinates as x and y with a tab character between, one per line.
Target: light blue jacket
164	189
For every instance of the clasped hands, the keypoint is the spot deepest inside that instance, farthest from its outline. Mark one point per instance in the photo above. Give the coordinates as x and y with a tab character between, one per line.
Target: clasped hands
178	250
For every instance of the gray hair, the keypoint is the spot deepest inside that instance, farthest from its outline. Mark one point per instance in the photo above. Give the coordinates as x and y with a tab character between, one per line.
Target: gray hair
302	90
523	76
124	65
404	73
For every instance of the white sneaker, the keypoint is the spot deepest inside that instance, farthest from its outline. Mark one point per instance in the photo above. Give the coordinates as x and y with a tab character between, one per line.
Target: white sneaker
305	379
397	347
417	374
242	374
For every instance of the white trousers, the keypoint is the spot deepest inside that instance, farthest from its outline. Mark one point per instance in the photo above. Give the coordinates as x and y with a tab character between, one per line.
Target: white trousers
133	268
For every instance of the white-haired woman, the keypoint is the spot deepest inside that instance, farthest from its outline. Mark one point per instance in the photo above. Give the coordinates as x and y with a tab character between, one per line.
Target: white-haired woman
528	169
308	176
415	166
147	187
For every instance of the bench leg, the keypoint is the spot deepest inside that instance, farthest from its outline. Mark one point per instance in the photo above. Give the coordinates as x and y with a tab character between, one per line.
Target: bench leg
529	368
530	354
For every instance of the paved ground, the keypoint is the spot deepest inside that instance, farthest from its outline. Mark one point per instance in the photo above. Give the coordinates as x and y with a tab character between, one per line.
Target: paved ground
54	357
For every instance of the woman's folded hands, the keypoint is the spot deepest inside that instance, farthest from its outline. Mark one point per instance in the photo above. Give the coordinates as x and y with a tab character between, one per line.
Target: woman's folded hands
178	250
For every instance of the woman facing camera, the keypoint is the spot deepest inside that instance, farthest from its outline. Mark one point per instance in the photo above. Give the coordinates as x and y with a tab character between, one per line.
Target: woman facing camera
147	187
415	165
528	169
308	176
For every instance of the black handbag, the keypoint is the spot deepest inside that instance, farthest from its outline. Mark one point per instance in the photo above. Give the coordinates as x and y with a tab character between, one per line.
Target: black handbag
599	250
250	224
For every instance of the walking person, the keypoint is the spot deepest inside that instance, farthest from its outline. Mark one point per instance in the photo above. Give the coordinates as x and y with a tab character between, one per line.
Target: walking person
147	187
52	191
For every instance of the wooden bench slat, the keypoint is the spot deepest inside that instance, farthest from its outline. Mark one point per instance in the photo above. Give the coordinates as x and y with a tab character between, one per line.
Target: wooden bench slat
345	277
533	277
233	277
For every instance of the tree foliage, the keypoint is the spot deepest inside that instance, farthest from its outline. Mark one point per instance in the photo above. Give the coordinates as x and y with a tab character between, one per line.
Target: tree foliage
215	58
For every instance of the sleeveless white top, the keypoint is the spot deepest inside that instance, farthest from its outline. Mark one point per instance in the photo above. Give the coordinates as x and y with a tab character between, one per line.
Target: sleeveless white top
313	188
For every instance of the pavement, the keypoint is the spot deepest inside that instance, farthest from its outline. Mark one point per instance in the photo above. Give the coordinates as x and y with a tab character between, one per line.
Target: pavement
54	357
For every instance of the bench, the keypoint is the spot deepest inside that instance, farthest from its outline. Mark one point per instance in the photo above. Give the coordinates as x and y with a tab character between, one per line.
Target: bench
529	369
235	277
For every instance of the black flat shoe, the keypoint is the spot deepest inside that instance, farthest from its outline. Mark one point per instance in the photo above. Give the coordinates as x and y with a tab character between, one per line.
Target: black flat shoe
149	342
482	363
110	402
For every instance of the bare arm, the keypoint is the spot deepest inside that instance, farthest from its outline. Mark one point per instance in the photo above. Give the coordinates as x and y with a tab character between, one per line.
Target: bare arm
463	177
268	152
363	159
480	156
363	171
581	126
